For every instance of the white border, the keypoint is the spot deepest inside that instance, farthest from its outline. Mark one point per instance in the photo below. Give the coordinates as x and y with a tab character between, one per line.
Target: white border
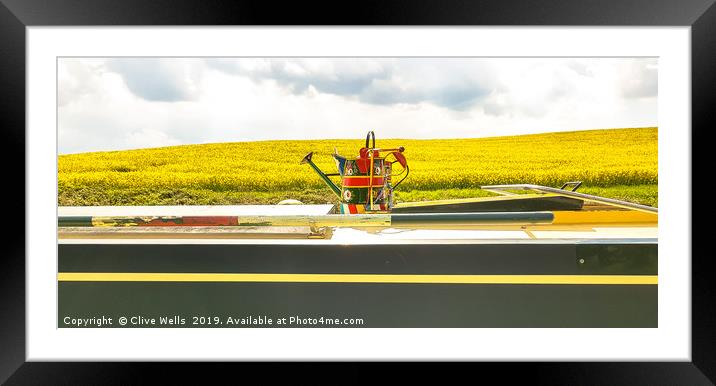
671	341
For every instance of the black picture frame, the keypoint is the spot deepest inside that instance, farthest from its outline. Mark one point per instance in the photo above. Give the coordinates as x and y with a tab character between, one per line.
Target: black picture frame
16	15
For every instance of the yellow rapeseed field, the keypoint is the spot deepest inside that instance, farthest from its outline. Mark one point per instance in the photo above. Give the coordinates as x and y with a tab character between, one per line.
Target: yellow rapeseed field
620	163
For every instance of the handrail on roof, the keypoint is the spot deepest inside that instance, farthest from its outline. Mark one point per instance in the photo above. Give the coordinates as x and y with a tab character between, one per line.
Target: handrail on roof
568	193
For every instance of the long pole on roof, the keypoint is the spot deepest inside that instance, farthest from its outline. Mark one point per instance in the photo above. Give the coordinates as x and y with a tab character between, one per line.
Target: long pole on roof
569	193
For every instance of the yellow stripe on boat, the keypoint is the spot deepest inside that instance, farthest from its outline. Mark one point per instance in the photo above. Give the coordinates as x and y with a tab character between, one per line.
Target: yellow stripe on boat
604	217
358	278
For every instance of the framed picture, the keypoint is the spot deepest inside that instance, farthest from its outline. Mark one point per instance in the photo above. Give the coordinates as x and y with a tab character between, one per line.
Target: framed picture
502	207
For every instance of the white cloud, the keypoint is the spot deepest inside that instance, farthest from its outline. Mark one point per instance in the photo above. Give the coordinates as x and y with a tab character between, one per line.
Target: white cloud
638	78
156	79
78	79
150	138
107	104
442	81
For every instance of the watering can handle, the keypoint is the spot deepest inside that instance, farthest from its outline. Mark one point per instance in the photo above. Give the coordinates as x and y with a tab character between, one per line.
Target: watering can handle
367	138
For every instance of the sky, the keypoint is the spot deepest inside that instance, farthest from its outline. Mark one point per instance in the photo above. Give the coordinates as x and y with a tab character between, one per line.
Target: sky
128	103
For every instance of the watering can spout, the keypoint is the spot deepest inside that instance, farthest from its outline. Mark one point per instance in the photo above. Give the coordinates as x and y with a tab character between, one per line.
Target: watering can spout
308	159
